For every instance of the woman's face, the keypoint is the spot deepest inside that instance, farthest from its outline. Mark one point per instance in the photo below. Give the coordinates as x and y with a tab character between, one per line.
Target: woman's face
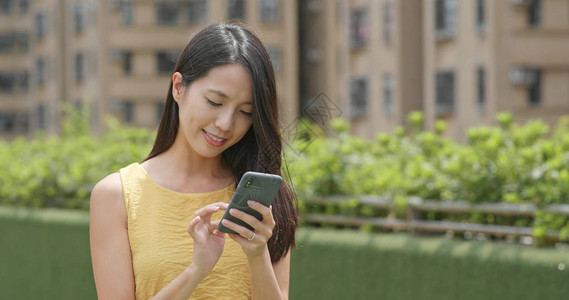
215	110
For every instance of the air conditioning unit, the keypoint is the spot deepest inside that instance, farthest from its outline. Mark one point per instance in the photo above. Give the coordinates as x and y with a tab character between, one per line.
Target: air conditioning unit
115	4
520	2
314	6
116	55
523	75
313	54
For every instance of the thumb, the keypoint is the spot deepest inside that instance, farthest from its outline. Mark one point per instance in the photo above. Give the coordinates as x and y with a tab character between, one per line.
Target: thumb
192	226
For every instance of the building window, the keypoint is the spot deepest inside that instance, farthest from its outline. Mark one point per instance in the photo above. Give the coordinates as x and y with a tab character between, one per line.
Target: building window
7	122
159	110
40	71
128	111
40	22
534	13
197	11
79	67
167	12
388	86
14	42
22	81
14	122
7	42
534	90
21	42
12	82
126	11
358	97
127	62
41	116
387	22
24	6
270	11
481	16
123	109
445	18
236	9
275	54
444	102
358	28
7	83
6	6
79	14
167	61
481	95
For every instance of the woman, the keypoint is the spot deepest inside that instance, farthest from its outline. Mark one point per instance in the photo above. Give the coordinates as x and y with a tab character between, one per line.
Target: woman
220	121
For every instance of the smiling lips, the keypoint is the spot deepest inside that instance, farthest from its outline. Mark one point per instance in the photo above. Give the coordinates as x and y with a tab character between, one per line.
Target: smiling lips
213	139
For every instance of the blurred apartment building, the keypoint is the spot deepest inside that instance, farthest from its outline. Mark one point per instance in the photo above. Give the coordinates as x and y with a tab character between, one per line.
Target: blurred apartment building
118	55
482	57
366	56
461	61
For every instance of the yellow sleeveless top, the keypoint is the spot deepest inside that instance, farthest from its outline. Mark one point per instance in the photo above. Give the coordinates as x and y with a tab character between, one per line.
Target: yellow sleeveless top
162	248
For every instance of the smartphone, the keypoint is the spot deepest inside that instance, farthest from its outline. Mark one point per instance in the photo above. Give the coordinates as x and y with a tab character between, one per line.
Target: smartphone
260	187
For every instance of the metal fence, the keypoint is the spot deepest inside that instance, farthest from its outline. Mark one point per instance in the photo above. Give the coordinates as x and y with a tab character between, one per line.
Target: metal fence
417	206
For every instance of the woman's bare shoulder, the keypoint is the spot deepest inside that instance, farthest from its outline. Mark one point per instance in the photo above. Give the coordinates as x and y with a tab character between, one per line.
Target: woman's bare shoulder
107	194
110	185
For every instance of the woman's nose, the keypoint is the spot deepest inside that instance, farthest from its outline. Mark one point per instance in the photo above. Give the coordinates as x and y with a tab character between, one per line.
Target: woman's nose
225	120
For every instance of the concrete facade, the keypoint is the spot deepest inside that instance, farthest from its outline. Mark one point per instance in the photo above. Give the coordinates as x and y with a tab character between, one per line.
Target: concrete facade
108	54
377	60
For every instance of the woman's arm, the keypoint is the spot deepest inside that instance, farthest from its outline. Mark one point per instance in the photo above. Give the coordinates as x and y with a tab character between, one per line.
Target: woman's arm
268	281
110	248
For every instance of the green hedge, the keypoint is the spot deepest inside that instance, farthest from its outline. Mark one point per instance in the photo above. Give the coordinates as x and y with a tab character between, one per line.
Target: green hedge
45	255
508	163
60	171
333	264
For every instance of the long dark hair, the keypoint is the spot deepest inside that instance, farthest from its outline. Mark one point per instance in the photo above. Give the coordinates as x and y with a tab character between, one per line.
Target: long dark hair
260	149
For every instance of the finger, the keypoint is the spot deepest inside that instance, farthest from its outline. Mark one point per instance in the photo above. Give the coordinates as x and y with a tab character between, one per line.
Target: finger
192	226
214	226
215	223
242	231
264	211
239	239
212	208
247	218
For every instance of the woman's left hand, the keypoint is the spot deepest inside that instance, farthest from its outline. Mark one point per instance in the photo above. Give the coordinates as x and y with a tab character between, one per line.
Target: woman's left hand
254	242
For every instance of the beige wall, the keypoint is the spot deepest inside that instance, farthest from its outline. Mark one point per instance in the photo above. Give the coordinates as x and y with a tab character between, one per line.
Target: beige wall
105	83
507	42
325	62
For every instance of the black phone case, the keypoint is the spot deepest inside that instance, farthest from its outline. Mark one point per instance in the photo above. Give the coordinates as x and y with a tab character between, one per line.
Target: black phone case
260	187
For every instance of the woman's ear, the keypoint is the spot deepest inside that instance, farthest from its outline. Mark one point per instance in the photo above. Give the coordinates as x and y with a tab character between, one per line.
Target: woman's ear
177	87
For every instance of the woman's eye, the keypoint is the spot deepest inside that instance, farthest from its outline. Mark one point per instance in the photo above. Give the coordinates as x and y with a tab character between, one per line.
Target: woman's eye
213	103
246	113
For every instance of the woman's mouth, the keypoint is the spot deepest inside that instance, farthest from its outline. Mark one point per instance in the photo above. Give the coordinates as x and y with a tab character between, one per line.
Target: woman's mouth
213	139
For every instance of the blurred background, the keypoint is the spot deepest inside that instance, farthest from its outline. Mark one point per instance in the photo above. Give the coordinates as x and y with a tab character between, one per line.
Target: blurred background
378	60
427	140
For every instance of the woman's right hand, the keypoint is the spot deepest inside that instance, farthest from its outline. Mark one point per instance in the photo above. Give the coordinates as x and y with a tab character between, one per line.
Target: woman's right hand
208	241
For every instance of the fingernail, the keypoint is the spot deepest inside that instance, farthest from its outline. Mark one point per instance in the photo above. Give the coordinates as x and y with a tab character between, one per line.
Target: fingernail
251	202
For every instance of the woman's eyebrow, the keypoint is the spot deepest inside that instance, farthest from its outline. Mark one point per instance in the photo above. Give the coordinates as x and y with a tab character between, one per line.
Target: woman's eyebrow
223	95
219	93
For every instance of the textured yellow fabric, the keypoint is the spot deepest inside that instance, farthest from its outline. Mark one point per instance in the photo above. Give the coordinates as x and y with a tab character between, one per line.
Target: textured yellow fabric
161	248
